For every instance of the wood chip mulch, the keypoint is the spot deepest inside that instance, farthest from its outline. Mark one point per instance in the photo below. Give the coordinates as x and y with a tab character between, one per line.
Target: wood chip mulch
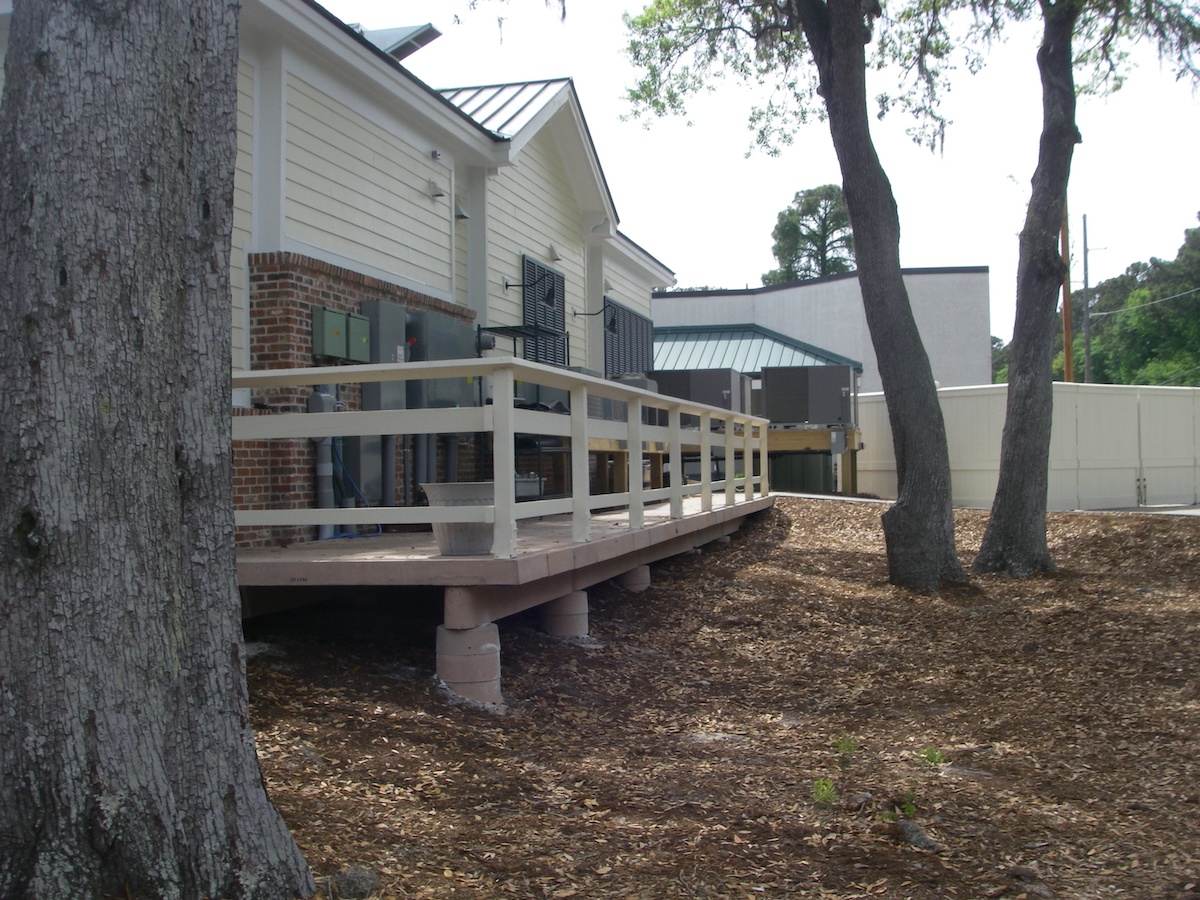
771	718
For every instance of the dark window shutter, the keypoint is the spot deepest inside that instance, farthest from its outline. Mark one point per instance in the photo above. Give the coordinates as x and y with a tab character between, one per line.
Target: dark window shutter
545	309
629	343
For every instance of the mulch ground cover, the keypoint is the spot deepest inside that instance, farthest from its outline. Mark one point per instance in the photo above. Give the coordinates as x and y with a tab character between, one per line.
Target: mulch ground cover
770	718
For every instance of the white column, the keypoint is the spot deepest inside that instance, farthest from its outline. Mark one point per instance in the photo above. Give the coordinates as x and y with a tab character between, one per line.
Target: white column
504	463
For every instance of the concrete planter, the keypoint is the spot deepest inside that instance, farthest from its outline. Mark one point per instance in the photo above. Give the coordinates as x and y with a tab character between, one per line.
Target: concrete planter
462	538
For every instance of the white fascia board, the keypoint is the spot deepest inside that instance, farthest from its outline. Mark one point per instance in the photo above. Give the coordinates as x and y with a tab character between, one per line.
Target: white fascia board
549	109
308	31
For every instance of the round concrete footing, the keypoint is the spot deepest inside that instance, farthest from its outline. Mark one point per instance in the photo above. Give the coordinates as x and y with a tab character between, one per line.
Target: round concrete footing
468	660
567	616
636	579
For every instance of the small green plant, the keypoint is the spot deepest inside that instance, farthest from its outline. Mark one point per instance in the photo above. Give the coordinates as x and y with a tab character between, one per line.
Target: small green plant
908	803
933	756
824	793
845	746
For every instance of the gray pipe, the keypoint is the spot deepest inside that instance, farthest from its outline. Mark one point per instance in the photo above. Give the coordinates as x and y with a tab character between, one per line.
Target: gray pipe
387	461
320	401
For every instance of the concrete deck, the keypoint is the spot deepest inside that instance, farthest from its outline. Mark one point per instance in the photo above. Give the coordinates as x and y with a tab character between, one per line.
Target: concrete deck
548	568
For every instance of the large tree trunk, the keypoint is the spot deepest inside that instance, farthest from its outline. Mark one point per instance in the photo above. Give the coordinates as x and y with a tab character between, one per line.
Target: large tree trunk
919	526
1015	539
128	761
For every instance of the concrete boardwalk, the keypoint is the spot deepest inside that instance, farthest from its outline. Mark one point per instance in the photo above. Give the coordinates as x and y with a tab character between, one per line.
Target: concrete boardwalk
547	568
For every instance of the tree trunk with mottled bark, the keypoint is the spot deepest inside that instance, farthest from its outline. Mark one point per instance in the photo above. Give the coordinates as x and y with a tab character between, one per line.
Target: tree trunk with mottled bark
127	756
1015	539
919	526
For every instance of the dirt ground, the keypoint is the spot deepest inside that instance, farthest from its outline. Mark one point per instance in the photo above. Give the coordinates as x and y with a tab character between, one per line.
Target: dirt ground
770	718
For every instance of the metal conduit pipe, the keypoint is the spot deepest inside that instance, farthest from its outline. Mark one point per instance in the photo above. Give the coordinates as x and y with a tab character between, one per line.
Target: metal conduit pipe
318	402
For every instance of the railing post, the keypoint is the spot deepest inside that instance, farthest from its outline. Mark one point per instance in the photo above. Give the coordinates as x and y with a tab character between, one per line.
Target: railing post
730	460
676	459
748	457
581	512
706	462
504	463
764	486
633	407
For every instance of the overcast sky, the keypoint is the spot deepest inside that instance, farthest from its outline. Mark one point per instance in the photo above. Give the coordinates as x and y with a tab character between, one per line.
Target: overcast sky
685	191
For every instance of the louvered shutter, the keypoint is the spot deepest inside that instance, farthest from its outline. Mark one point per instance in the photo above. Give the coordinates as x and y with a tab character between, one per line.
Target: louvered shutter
545	308
629	347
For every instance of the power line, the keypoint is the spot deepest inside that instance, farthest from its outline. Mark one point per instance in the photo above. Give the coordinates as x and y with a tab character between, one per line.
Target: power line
1114	312
1184	374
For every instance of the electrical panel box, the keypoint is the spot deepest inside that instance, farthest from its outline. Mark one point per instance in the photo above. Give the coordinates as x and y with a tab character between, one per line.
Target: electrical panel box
358	338
434	336
328	332
389	344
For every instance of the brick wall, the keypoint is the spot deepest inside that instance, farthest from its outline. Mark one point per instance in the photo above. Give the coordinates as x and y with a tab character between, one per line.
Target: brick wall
284	288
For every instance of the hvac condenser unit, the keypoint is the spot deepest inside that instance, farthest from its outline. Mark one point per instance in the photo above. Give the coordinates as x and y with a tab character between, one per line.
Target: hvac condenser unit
818	396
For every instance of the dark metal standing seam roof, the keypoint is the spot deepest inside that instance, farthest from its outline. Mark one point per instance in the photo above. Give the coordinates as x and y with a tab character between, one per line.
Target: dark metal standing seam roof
744	348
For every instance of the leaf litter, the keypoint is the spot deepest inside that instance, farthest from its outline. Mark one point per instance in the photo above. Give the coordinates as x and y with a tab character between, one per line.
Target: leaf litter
1007	738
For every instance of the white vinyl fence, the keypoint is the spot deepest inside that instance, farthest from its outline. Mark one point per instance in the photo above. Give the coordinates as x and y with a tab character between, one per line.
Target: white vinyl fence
1111	446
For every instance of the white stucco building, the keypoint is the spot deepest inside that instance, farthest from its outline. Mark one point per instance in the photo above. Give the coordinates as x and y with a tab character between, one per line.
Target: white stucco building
951	306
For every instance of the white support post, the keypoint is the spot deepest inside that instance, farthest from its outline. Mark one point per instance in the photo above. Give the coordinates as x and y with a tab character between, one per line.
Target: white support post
730	461
504	463
676	459
635	466
706	462
748	458
581	513
764	487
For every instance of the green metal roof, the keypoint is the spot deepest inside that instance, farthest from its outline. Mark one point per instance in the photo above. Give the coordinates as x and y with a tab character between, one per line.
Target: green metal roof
745	348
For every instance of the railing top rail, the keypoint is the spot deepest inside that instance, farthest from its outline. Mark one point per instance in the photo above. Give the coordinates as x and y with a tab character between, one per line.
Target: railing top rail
523	370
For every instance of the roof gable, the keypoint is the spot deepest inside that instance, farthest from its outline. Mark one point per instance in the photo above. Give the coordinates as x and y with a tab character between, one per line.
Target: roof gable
517	111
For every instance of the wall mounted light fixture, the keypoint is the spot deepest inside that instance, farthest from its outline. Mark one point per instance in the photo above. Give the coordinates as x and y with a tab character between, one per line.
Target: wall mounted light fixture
435	190
548	298
610	323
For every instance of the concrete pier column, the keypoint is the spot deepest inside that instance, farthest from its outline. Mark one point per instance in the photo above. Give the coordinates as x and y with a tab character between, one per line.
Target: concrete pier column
468	660
567	616
636	579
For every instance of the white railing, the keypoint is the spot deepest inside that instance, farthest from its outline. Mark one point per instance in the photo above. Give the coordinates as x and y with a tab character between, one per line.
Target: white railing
737	434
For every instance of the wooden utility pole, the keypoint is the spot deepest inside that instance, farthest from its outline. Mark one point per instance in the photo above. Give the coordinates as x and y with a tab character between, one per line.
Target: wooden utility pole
1068	345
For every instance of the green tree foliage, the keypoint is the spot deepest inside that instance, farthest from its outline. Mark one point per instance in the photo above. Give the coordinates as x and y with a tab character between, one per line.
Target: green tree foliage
999	360
812	237
1146	323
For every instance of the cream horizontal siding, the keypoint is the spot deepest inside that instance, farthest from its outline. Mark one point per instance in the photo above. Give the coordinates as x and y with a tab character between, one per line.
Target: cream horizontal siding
460	259
630	293
361	193
531	207
243	188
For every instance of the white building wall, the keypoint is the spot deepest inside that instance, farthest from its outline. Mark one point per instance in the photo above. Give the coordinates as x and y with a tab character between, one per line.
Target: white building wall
951	307
1111	446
